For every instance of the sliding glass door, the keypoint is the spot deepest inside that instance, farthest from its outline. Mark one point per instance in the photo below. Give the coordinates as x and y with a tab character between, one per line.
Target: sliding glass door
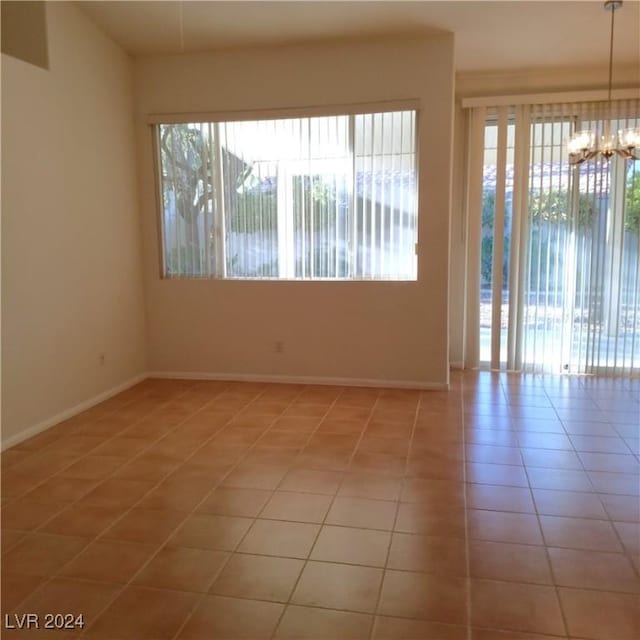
553	249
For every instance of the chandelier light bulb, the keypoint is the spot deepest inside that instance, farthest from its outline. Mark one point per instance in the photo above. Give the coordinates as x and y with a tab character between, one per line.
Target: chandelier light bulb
629	138
581	141
608	144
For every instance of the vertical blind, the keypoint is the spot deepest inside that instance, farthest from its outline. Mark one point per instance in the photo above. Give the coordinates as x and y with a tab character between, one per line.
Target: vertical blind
297	198
557	246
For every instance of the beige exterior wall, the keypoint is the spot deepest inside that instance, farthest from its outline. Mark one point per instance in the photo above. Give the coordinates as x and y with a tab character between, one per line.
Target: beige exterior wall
71	267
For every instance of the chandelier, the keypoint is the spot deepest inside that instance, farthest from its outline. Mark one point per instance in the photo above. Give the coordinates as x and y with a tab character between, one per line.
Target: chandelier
588	144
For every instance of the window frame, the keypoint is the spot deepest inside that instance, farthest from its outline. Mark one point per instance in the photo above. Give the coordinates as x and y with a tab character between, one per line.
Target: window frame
155	121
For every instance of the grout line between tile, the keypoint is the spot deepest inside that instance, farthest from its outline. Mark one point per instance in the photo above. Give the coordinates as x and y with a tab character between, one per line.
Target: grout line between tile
467	550
409	449
228	388
548	557
47	579
322	524
155	486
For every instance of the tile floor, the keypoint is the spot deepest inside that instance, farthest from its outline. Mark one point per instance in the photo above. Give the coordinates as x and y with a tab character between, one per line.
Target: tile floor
506	509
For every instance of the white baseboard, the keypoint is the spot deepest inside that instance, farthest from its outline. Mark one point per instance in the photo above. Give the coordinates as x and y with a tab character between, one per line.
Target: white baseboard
69	413
320	380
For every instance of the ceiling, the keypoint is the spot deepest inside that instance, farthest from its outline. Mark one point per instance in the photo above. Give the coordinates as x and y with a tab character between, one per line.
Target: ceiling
489	35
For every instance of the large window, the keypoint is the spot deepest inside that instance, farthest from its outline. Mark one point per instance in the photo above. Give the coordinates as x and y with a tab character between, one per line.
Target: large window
297	198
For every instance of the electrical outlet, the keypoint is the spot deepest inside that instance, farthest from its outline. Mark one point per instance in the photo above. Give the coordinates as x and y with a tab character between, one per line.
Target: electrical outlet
279	346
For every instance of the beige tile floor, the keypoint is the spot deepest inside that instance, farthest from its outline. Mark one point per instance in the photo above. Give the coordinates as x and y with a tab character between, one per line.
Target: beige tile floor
506	509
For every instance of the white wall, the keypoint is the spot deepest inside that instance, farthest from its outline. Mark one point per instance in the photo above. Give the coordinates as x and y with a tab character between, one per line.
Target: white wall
71	266
358	330
542	80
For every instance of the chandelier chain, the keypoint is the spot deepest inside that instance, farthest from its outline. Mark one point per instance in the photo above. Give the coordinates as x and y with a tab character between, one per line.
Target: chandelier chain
613	15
